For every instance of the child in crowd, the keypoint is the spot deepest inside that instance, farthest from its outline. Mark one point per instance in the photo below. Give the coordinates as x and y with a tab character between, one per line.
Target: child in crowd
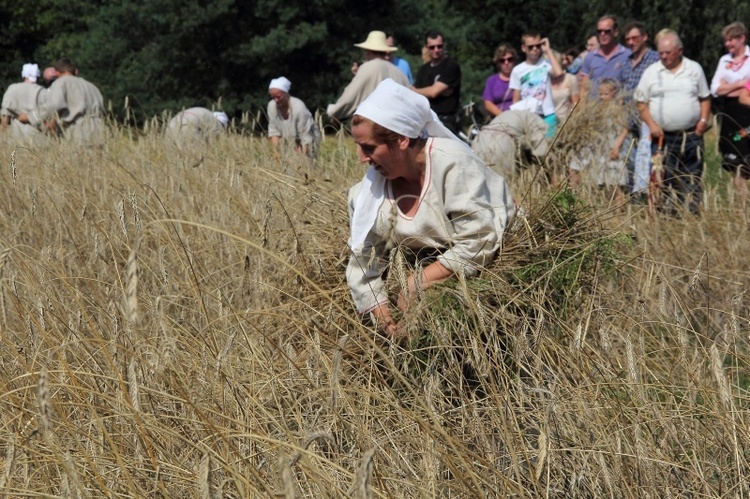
608	156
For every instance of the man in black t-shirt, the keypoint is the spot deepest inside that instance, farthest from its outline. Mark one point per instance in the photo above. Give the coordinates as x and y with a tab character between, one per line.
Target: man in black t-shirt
440	81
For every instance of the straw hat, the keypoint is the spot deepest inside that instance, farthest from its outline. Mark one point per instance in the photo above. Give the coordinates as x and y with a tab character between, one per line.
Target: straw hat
376	43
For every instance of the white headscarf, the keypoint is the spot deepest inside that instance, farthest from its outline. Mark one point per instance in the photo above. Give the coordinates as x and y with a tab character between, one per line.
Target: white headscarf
280	83
403	111
407	113
30	71
222	117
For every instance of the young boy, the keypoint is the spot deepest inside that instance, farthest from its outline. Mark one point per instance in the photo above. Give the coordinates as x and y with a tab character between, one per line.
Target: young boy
530	80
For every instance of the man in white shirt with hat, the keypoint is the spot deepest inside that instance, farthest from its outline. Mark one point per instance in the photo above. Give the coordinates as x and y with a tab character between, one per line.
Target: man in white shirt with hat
369	74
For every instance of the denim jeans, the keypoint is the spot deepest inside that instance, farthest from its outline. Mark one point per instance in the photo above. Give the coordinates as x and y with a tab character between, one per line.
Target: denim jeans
683	169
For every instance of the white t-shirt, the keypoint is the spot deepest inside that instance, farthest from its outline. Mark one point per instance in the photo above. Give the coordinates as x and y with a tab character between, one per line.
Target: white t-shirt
533	81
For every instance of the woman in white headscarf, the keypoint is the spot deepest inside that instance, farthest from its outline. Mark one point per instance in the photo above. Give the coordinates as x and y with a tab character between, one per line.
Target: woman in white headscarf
23	99
289	119
425	191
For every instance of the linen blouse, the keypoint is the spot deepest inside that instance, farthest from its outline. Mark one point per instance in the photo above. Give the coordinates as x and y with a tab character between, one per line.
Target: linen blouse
462	213
300	126
730	72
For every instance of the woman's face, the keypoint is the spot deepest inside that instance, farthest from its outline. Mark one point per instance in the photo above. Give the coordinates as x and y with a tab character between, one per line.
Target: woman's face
390	162
735	45
505	63
279	96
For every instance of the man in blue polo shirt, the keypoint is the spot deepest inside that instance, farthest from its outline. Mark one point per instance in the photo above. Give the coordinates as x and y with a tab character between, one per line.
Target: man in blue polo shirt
607	62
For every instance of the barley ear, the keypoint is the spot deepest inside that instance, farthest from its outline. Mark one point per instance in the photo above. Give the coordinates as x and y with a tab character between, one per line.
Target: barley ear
10	459
361	483
205	490
13	166
543	447
287	480
45	411
131	291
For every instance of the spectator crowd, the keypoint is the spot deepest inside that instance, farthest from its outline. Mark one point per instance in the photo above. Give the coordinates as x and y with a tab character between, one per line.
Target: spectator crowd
650	97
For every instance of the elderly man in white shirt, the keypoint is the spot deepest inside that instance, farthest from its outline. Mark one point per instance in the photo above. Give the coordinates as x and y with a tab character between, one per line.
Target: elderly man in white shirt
674	100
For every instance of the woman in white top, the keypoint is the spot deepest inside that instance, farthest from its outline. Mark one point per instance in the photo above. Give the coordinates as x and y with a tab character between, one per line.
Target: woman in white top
426	191
731	76
290	120
564	92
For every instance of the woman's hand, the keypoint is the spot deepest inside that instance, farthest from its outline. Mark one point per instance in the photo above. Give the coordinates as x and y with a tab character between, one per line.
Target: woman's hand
384	320
434	273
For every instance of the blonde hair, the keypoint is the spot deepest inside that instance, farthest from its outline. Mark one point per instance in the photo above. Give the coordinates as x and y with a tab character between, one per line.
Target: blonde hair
609	83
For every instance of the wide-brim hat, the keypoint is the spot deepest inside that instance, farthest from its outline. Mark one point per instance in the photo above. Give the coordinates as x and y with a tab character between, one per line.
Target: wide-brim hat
376	43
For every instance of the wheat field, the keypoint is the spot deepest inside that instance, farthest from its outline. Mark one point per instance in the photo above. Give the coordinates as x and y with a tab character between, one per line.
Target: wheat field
177	324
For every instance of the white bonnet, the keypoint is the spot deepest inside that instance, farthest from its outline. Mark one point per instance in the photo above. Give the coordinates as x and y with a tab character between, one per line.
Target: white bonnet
222	117
280	83
403	111
30	71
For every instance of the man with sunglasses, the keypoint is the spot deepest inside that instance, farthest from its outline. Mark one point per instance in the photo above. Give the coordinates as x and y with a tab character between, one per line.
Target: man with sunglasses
641	57
531	80
608	61
440	81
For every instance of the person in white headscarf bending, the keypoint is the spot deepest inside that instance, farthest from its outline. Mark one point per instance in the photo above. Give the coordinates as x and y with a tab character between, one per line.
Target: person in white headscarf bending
23	98
196	124
426	191
290	120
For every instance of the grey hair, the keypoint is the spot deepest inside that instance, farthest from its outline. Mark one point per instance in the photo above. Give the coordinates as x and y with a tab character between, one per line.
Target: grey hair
671	34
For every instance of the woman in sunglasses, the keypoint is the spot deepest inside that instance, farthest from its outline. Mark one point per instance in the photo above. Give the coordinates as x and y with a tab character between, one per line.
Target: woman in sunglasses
497	94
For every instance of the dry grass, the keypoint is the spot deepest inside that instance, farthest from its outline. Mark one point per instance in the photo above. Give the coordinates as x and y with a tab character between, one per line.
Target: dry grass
178	325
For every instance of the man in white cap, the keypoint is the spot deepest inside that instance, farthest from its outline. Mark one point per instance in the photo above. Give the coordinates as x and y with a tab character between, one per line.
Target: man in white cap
369	74
23	98
290	120
196	124
74	107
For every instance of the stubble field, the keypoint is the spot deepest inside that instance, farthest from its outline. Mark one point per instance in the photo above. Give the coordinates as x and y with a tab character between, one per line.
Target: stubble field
178	325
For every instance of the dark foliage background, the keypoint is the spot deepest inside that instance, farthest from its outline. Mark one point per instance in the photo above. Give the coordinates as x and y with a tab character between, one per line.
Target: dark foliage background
169	54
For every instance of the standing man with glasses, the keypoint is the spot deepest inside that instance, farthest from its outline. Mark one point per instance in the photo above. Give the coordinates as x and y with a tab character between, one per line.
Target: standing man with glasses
531	80
440	81
608	61
641	57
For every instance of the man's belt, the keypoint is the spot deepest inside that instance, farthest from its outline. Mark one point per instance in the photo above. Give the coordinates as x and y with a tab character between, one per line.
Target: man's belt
675	133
